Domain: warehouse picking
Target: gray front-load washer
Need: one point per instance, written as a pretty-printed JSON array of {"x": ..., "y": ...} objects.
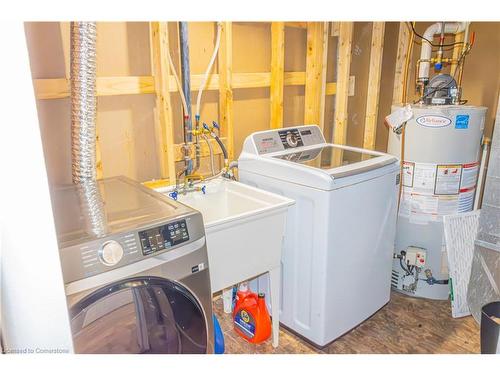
[{"x": 140, "y": 283}]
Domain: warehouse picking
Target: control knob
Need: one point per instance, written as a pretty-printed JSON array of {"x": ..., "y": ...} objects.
[
  {"x": 111, "y": 253},
  {"x": 291, "y": 139}
]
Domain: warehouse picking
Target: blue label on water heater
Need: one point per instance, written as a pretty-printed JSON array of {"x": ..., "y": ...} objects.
[{"x": 462, "y": 122}]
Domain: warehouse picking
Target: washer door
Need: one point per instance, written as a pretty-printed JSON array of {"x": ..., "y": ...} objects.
[{"x": 139, "y": 315}]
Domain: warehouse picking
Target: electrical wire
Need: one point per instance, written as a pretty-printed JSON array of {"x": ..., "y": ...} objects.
[
  {"x": 408, "y": 273},
  {"x": 430, "y": 42}
]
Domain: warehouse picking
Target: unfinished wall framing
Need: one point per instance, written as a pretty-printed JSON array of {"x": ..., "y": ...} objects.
[{"x": 301, "y": 72}]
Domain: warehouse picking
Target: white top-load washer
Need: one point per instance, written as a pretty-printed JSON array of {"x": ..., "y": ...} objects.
[{"x": 339, "y": 237}]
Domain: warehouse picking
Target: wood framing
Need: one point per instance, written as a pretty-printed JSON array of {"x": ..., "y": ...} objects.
[
  {"x": 403, "y": 40},
  {"x": 162, "y": 83},
  {"x": 299, "y": 25},
  {"x": 277, "y": 73},
  {"x": 343, "y": 70},
  {"x": 225, "y": 85},
  {"x": 457, "y": 50},
  {"x": 164, "y": 118},
  {"x": 374, "y": 75},
  {"x": 58, "y": 88},
  {"x": 316, "y": 62}
]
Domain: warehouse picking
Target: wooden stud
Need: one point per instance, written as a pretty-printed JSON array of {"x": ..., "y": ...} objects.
[
  {"x": 343, "y": 69},
  {"x": 457, "y": 51},
  {"x": 161, "y": 73},
  {"x": 64, "y": 28},
  {"x": 277, "y": 73},
  {"x": 317, "y": 47},
  {"x": 374, "y": 75},
  {"x": 225, "y": 85},
  {"x": 334, "y": 28},
  {"x": 403, "y": 40}
]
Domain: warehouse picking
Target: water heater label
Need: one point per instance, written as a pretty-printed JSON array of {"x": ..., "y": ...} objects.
[
  {"x": 433, "y": 121},
  {"x": 433, "y": 190},
  {"x": 448, "y": 179},
  {"x": 462, "y": 122}
]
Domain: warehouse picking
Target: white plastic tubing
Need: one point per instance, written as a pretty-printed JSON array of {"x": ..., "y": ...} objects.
[
  {"x": 425, "y": 54},
  {"x": 205, "y": 78},
  {"x": 209, "y": 68}
]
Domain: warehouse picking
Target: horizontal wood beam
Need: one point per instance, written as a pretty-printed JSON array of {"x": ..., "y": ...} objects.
[
  {"x": 105, "y": 86},
  {"x": 58, "y": 88}
]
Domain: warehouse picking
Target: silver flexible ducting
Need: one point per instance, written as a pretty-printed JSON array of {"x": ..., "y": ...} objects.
[{"x": 83, "y": 123}]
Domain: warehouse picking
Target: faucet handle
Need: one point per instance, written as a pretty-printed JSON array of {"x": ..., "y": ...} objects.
[{"x": 173, "y": 195}]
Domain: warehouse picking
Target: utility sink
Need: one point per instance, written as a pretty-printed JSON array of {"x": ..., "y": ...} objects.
[{"x": 244, "y": 229}]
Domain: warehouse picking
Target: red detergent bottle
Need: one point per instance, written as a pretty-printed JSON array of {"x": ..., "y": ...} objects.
[{"x": 250, "y": 316}]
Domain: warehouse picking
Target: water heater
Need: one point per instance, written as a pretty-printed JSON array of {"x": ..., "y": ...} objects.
[{"x": 440, "y": 168}]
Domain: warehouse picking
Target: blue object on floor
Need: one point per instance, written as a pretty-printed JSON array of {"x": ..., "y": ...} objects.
[{"x": 218, "y": 337}]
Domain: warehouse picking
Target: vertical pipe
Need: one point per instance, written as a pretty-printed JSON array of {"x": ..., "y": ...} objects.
[
  {"x": 186, "y": 87},
  {"x": 480, "y": 179}
]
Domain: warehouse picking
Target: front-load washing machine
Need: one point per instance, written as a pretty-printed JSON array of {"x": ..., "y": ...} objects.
[
  {"x": 140, "y": 286},
  {"x": 339, "y": 238}
]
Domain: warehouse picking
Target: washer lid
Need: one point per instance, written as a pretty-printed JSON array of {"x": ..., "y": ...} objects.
[
  {"x": 325, "y": 166},
  {"x": 331, "y": 158}
]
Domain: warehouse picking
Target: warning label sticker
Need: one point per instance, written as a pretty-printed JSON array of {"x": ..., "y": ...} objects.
[
  {"x": 448, "y": 179},
  {"x": 408, "y": 172},
  {"x": 469, "y": 176},
  {"x": 431, "y": 191},
  {"x": 424, "y": 177}
]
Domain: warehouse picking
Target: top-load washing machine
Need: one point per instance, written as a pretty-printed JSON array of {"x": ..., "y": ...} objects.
[
  {"x": 140, "y": 286},
  {"x": 339, "y": 238}
]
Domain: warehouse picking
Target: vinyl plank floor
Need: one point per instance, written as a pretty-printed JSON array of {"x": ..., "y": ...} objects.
[{"x": 404, "y": 325}]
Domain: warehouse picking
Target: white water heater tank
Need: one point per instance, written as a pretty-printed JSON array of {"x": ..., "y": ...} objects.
[{"x": 439, "y": 177}]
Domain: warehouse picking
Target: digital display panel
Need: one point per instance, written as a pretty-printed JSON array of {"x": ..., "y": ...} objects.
[{"x": 163, "y": 237}]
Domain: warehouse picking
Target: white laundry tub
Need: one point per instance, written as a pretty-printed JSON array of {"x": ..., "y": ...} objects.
[{"x": 244, "y": 229}]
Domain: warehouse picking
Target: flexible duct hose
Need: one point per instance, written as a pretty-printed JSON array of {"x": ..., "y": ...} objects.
[
  {"x": 83, "y": 101},
  {"x": 83, "y": 124}
]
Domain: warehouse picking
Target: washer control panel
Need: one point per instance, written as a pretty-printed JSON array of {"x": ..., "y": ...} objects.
[
  {"x": 116, "y": 250},
  {"x": 164, "y": 236},
  {"x": 288, "y": 138}
]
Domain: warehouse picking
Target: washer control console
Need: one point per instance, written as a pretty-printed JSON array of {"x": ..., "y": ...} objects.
[
  {"x": 283, "y": 139},
  {"x": 164, "y": 236}
]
